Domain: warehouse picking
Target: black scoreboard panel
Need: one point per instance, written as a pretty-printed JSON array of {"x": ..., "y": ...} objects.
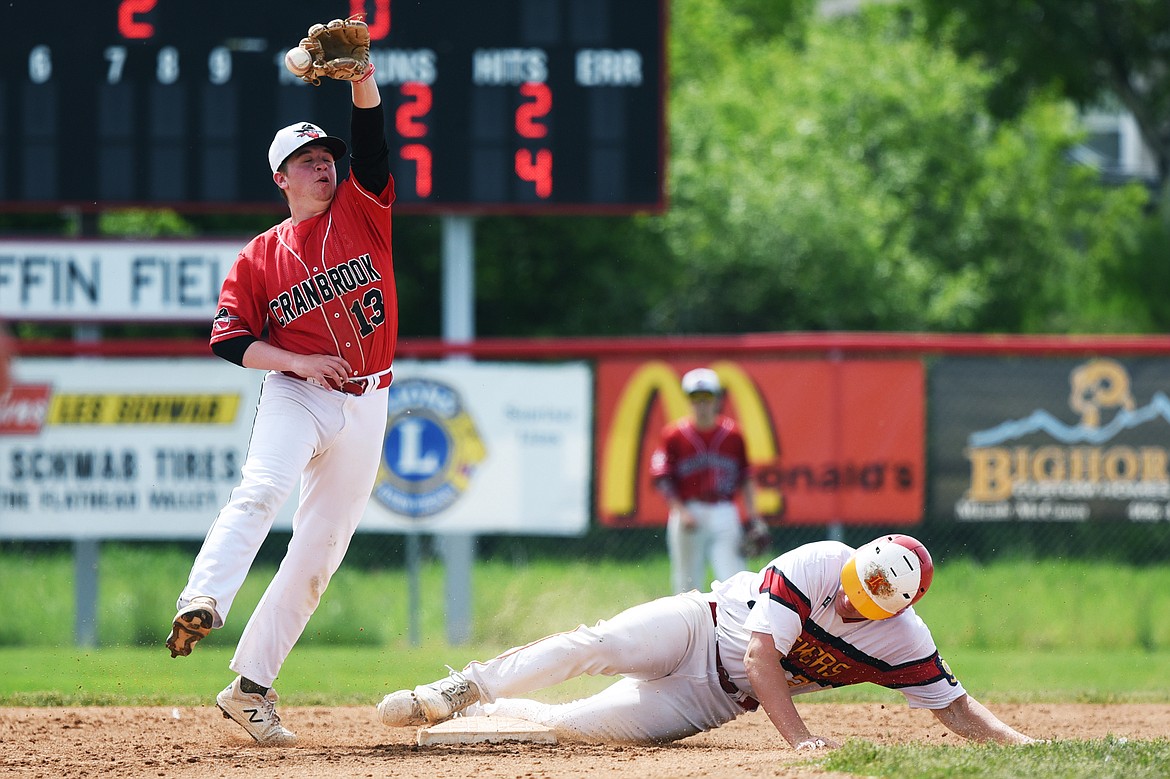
[{"x": 493, "y": 106}]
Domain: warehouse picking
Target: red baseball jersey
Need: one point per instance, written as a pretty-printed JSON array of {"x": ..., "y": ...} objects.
[
  {"x": 322, "y": 286},
  {"x": 706, "y": 465}
]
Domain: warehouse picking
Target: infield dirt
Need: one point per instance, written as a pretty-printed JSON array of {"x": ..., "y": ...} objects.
[{"x": 336, "y": 743}]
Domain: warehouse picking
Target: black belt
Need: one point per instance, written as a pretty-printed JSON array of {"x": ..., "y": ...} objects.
[{"x": 745, "y": 701}]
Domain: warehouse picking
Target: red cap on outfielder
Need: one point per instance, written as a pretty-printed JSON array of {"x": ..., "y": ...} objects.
[{"x": 887, "y": 575}]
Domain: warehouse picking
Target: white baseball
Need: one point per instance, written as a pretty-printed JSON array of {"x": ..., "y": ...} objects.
[{"x": 298, "y": 61}]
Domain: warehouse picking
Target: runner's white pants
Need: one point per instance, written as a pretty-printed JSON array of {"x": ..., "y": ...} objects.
[
  {"x": 331, "y": 443},
  {"x": 717, "y": 538},
  {"x": 665, "y": 652}
]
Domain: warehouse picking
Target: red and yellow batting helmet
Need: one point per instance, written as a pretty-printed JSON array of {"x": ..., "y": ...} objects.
[{"x": 887, "y": 575}]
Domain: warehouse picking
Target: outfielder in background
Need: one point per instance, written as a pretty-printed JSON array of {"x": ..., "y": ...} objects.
[
  {"x": 322, "y": 284},
  {"x": 822, "y": 615},
  {"x": 699, "y": 466}
]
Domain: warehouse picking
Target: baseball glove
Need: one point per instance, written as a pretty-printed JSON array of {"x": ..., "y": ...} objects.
[
  {"x": 757, "y": 539},
  {"x": 340, "y": 50}
]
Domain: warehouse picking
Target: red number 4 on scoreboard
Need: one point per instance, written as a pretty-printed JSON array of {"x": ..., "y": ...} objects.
[{"x": 537, "y": 168}]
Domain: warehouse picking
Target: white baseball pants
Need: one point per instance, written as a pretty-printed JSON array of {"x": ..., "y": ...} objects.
[
  {"x": 331, "y": 443},
  {"x": 665, "y": 652},
  {"x": 717, "y": 538}
]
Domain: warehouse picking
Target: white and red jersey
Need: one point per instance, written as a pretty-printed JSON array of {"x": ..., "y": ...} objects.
[
  {"x": 322, "y": 286},
  {"x": 705, "y": 465},
  {"x": 792, "y": 600}
]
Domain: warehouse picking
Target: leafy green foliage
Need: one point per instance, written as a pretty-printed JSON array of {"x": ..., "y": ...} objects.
[
  {"x": 1084, "y": 49},
  {"x": 859, "y": 183},
  {"x": 1139, "y": 269},
  {"x": 144, "y": 223},
  {"x": 557, "y": 276}
]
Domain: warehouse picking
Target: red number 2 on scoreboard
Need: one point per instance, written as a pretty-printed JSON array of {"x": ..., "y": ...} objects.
[
  {"x": 528, "y": 113},
  {"x": 128, "y": 26}
]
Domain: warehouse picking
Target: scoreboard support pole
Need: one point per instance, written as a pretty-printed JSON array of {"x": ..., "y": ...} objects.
[
  {"x": 458, "y": 248},
  {"x": 86, "y": 557},
  {"x": 458, "y": 549},
  {"x": 86, "y": 551}
]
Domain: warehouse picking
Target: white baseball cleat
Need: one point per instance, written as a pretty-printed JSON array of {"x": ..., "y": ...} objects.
[
  {"x": 255, "y": 712},
  {"x": 429, "y": 704},
  {"x": 191, "y": 624},
  {"x": 400, "y": 709}
]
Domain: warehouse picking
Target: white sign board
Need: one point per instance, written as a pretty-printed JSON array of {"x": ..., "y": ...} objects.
[
  {"x": 486, "y": 447},
  {"x": 141, "y": 281},
  {"x": 151, "y": 448},
  {"x": 95, "y": 448}
]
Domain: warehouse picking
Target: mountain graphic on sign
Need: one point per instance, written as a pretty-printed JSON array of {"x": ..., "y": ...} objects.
[{"x": 1041, "y": 421}]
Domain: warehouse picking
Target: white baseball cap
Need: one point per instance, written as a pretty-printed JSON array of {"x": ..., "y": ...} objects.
[
  {"x": 887, "y": 575},
  {"x": 701, "y": 380},
  {"x": 301, "y": 134}
]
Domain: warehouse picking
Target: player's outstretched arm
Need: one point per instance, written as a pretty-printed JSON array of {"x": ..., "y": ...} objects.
[
  {"x": 971, "y": 719},
  {"x": 365, "y": 93},
  {"x": 771, "y": 688}
]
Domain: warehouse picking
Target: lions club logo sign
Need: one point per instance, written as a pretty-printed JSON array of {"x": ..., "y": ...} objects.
[{"x": 431, "y": 449}]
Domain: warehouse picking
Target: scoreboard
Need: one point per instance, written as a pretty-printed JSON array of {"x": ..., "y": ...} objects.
[{"x": 496, "y": 106}]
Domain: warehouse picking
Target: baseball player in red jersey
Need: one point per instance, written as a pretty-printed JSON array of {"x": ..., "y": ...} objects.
[
  {"x": 311, "y": 301},
  {"x": 699, "y": 466},
  {"x": 820, "y": 616}
]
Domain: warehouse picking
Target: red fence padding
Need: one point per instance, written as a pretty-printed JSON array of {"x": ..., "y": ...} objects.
[{"x": 637, "y": 346}]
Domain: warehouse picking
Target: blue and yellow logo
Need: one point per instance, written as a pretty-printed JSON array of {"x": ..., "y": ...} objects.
[{"x": 431, "y": 449}]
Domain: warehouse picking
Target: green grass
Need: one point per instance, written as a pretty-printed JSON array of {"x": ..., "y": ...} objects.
[
  {"x": 512, "y": 603},
  {"x": 1049, "y": 605},
  {"x": 1042, "y": 607},
  {"x": 1014, "y": 631},
  {"x": 312, "y": 676},
  {"x": 1089, "y": 759},
  {"x": 317, "y": 674}
]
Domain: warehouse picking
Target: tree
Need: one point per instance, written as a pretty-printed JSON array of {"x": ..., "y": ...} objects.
[
  {"x": 857, "y": 181},
  {"x": 1082, "y": 49}
]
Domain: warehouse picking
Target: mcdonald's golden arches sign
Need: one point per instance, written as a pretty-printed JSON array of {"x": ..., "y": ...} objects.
[{"x": 828, "y": 440}]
